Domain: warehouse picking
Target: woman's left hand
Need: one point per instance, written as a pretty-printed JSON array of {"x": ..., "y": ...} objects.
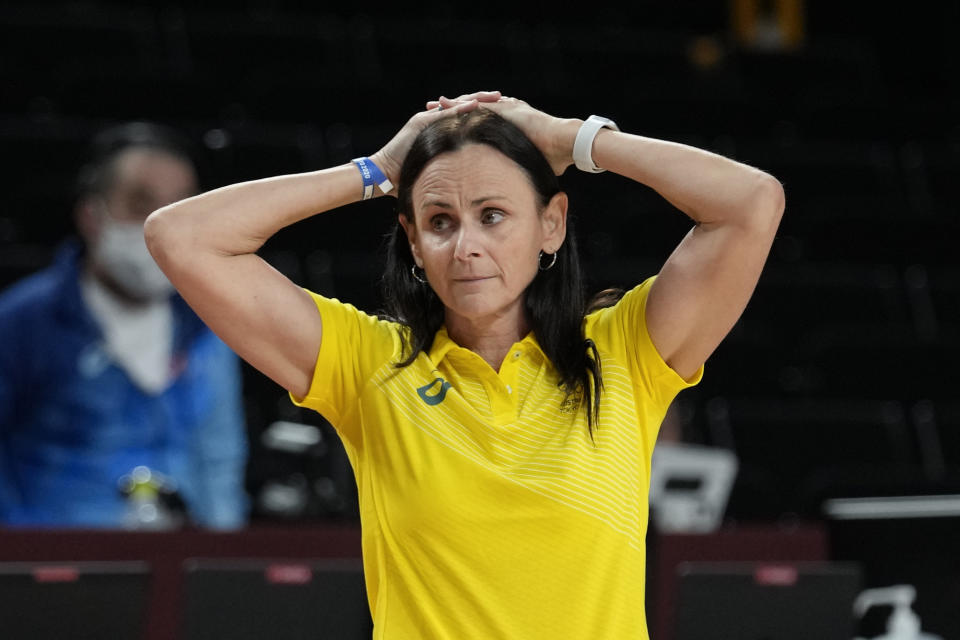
[{"x": 553, "y": 136}]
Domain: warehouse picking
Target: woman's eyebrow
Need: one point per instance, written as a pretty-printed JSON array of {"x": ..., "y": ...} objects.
[
  {"x": 479, "y": 201},
  {"x": 473, "y": 203}
]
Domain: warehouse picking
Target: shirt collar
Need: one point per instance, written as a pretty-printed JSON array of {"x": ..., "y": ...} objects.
[{"x": 443, "y": 344}]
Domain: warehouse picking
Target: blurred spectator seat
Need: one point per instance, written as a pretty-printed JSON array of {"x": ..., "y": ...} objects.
[
  {"x": 943, "y": 414},
  {"x": 795, "y": 543},
  {"x": 867, "y": 236},
  {"x": 774, "y": 601},
  {"x": 793, "y": 452},
  {"x": 804, "y": 304},
  {"x": 944, "y": 291},
  {"x": 283, "y": 600},
  {"x": 81, "y": 601}
]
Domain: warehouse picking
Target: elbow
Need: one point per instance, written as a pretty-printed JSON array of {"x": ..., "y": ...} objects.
[
  {"x": 769, "y": 202},
  {"x": 154, "y": 233},
  {"x": 775, "y": 197},
  {"x": 161, "y": 231}
]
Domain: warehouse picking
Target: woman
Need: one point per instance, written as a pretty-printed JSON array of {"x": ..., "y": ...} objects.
[{"x": 502, "y": 459}]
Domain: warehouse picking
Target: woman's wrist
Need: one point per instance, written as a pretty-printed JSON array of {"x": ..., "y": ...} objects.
[
  {"x": 564, "y": 134},
  {"x": 388, "y": 167}
]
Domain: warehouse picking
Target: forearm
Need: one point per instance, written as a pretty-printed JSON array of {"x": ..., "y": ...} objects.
[
  {"x": 239, "y": 218},
  {"x": 707, "y": 187}
]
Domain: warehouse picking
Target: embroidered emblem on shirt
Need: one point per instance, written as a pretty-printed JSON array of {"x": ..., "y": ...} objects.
[{"x": 435, "y": 398}]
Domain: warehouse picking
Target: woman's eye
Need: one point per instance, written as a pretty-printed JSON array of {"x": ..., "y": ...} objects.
[
  {"x": 492, "y": 216},
  {"x": 439, "y": 223}
]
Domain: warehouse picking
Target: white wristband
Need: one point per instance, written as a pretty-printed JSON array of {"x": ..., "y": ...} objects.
[{"x": 583, "y": 145}]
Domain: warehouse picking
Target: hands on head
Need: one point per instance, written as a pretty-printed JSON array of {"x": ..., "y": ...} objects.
[
  {"x": 546, "y": 132},
  {"x": 465, "y": 99}
]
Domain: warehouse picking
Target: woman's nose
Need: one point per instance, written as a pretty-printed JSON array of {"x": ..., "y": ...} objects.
[{"x": 468, "y": 243}]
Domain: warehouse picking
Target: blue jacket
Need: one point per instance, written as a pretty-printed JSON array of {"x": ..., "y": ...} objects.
[{"x": 72, "y": 422}]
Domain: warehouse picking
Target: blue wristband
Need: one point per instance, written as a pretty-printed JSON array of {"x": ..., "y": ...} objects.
[{"x": 372, "y": 175}]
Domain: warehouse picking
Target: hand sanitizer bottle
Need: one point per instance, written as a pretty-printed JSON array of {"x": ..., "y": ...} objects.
[{"x": 903, "y": 623}]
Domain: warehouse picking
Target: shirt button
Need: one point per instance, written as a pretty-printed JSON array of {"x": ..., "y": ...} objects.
[{"x": 509, "y": 389}]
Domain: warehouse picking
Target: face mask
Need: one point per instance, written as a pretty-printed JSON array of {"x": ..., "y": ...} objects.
[{"x": 122, "y": 252}]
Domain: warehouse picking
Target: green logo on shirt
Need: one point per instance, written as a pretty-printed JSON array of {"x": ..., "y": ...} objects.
[{"x": 435, "y": 398}]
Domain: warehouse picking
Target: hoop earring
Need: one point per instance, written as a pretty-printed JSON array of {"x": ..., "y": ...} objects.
[
  {"x": 553, "y": 260},
  {"x": 413, "y": 271}
]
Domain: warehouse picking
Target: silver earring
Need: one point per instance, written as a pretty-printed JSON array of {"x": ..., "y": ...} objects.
[
  {"x": 553, "y": 260},
  {"x": 413, "y": 270}
]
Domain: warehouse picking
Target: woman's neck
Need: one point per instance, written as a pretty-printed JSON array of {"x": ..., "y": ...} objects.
[{"x": 491, "y": 339}]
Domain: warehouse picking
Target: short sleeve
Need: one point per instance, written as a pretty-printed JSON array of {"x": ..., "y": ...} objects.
[
  {"x": 621, "y": 330},
  {"x": 353, "y": 346}
]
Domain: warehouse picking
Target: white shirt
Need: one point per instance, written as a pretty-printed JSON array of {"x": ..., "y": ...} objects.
[{"x": 139, "y": 338}]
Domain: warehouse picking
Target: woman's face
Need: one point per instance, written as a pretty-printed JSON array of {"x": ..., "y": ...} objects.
[{"x": 477, "y": 231}]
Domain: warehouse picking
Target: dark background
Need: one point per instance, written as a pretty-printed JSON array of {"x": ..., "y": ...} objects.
[{"x": 839, "y": 378}]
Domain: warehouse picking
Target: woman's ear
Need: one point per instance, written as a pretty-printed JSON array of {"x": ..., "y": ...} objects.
[
  {"x": 411, "y": 231},
  {"x": 554, "y": 223}
]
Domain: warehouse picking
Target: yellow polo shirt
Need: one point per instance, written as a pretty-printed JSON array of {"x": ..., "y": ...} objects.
[{"x": 486, "y": 511}]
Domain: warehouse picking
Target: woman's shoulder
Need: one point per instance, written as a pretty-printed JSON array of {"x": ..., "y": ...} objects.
[
  {"x": 617, "y": 302},
  {"x": 619, "y": 329},
  {"x": 346, "y": 319},
  {"x": 340, "y": 310}
]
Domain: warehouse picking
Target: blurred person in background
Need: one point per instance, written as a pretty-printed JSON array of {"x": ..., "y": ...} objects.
[{"x": 103, "y": 369}]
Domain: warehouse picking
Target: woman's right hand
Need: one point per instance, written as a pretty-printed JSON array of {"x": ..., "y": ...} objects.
[{"x": 390, "y": 158}]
